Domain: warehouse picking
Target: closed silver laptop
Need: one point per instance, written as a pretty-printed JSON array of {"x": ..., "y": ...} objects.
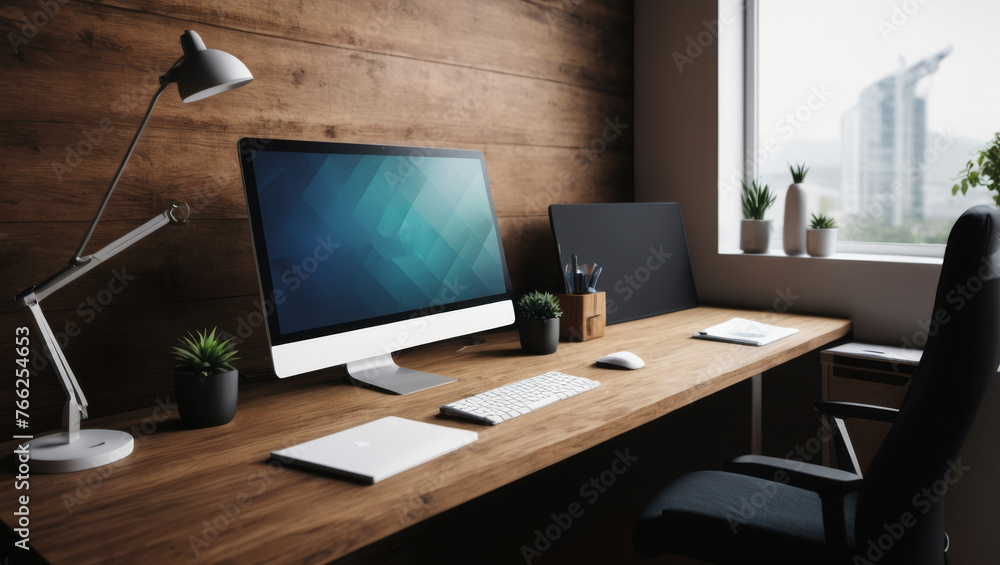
[{"x": 374, "y": 451}]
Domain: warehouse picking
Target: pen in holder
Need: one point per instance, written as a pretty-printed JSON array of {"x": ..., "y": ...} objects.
[
  {"x": 581, "y": 279},
  {"x": 584, "y": 316}
]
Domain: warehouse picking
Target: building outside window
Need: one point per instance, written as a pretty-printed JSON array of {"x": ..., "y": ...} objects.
[{"x": 885, "y": 101}]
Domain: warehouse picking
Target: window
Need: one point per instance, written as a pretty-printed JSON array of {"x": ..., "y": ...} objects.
[{"x": 884, "y": 100}]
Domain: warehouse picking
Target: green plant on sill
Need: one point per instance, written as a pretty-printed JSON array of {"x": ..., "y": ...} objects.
[
  {"x": 798, "y": 172},
  {"x": 983, "y": 170},
  {"x": 822, "y": 222},
  {"x": 539, "y": 305},
  {"x": 204, "y": 354},
  {"x": 756, "y": 200}
]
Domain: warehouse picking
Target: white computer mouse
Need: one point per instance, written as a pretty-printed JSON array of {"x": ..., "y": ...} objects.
[{"x": 625, "y": 359}]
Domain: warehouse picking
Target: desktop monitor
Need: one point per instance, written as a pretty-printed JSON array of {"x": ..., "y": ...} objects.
[{"x": 363, "y": 250}]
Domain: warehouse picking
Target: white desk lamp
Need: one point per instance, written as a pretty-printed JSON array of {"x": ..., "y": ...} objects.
[{"x": 199, "y": 73}]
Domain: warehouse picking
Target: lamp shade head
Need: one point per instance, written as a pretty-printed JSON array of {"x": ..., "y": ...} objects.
[{"x": 206, "y": 72}]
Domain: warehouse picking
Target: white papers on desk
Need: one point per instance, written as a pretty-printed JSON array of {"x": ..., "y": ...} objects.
[{"x": 747, "y": 332}]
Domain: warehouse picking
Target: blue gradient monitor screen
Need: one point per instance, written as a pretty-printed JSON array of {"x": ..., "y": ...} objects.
[{"x": 355, "y": 235}]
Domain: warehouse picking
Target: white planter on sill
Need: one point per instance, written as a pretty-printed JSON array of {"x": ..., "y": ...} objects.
[
  {"x": 821, "y": 243},
  {"x": 755, "y": 235},
  {"x": 796, "y": 220}
]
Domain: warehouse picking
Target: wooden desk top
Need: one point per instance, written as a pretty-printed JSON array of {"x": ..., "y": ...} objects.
[{"x": 212, "y": 495}]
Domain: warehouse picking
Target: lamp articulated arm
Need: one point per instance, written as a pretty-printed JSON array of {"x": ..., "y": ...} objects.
[
  {"x": 177, "y": 213},
  {"x": 76, "y": 402},
  {"x": 165, "y": 81}
]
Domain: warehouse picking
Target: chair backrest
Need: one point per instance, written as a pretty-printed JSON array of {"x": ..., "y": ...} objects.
[{"x": 918, "y": 461}]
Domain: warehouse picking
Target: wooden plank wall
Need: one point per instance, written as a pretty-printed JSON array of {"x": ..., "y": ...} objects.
[{"x": 542, "y": 87}]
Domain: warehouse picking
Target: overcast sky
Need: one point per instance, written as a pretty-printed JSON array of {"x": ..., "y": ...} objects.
[{"x": 846, "y": 45}]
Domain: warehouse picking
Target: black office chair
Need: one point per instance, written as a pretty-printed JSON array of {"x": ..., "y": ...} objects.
[{"x": 769, "y": 510}]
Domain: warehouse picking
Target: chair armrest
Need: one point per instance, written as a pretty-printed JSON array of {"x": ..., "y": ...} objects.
[
  {"x": 844, "y": 410},
  {"x": 836, "y": 413},
  {"x": 822, "y": 480}
]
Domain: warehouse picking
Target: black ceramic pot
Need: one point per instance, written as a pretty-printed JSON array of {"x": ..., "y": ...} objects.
[
  {"x": 539, "y": 337},
  {"x": 209, "y": 401}
]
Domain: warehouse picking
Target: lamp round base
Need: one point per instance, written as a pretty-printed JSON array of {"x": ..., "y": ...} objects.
[{"x": 94, "y": 448}]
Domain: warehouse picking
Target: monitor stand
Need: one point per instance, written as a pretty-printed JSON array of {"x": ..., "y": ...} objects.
[{"x": 382, "y": 373}]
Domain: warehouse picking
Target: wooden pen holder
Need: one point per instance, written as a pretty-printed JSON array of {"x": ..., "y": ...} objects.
[{"x": 584, "y": 316}]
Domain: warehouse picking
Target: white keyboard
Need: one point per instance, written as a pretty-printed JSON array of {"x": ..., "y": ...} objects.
[{"x": 509, "y": 401}]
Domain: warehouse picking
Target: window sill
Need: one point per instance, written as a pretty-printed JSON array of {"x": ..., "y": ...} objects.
[{"x": 843, "y": 256}]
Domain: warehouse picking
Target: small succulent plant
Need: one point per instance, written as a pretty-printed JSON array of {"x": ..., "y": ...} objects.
[
  {"x": 822, "y": 222},
  {"x": 798, "y": 172},
  {"x": 757, "y": 198},
  {"x": 539, "y": 305},
  {"x": 204, "y": 354}
]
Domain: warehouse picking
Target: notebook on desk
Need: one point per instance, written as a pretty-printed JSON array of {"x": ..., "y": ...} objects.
[
  {"x": 746, "y": 332},
  {"x": 377, "y": 450}
]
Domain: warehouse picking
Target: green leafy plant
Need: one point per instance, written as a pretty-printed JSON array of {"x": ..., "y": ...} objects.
[
  {"x": 539, "y": 305},
  {"x": 822, "y": 222},
  {"x": 983, "y": 170},
  {"x": 756, "y": 199},
  {"x": 798, "y": 172},
  {"x": 204, "y": 354}
]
